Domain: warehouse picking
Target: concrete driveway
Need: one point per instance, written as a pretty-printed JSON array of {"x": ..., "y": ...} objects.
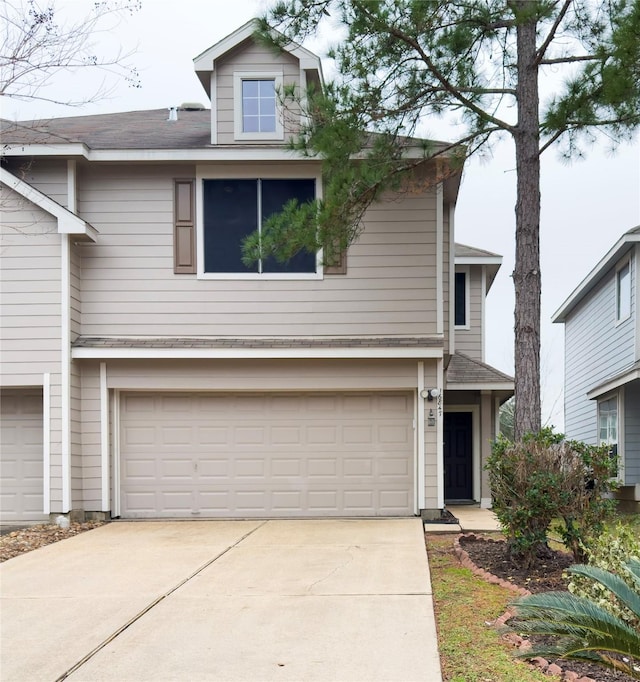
[{"x": 223, "y": 600}]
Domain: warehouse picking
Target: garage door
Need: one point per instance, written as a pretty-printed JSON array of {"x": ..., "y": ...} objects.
[
  {"x": 21, "y": 455},
  {"x": 274, "y": 455}
]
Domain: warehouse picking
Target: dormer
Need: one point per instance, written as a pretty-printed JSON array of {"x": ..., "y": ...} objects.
[{"x": 245, "y": 82}]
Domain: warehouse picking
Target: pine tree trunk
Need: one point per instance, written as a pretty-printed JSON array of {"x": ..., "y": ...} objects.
[{"x": 526, "y": 276}]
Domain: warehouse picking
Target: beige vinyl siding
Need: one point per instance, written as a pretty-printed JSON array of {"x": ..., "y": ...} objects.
[
  {"x": 75, "y": 316},
  {"x": 30, "y": 311},
  {"x": 261, "y": 375},
  {"x": 75, "y": 379},
  {"x": 446, "y": 265},
  {"x": 238, "y": 375},
  {"x": 29, "y": 292},
  {"x": 469, "y": 341},
  {"x": 250, "y": 57},
  {"x": 49, "y": 176},
  {"x": 430, "y": 441},
  {"x": 129, "y": 288},
  {"x": 91, "y": 437}
]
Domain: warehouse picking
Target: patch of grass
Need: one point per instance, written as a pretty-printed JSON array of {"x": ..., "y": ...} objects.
[
  {"x": 471, "y": 650},
  {"x": 631, "y": 520}
]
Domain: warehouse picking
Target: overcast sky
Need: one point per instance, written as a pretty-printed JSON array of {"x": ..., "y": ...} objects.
[{"x": 586, "y": 205}]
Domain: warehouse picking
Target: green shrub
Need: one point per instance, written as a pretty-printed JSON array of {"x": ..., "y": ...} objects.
[
  {"x": 584, "y": 630},
  {"x": 543, "y": 478},
  {"x": 610, "y": 551}
]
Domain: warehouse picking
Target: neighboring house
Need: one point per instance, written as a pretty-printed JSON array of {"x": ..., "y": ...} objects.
[
  {"x": 602, "y": 360},
  {"x": 147, "y": 372}
]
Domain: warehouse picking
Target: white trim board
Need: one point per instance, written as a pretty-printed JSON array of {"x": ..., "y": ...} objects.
[{"x": 258, "y": 353}]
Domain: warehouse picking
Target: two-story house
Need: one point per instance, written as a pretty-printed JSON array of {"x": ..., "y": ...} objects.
[
  {"x": 602, "y": 360},
  {"x": 148, "y": 372}
]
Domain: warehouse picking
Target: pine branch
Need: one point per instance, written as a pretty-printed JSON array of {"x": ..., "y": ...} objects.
[
  {"x": 447, "y": 86},
  {"x": 542, "y": 50}
]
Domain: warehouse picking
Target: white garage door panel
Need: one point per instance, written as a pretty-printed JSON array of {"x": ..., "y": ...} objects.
[
  {"x": 208, "y": 455},
  {"x": 21, "y": 474}
]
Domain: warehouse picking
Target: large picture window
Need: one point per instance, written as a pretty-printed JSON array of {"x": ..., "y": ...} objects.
[{"x": 233, "y": 209}]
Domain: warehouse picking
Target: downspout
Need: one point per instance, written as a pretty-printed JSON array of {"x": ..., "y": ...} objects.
[
  {"x": 46, "y": 443},
  {"x": 483, "y": 299},
  {"x": 421, "y": 435},
  {"x": 440, "y": 433},
  {"x": 65, "y": 342},
  {"x": 104, "y": 436},
  {"x": 452, "y": 280},
  {"x": 439, "y": 258}
]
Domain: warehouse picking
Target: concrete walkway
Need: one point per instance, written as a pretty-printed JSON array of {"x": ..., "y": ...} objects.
[
  {"x": 471, "y": 518},
  {"x": 215, "y": 600}
]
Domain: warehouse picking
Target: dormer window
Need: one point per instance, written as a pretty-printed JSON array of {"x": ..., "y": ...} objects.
[
  {"x": 256, "y": 110},
  {"x": 259, "y": 106}
]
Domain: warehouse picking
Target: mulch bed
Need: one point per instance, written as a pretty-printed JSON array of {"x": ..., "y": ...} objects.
[
  {"x": 24, "y": 540},
  {"x": 488, "y": 558}
]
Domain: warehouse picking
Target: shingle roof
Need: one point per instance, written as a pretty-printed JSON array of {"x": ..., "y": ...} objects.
[
  {"x": 127, "y": 130},
  {"x": 465, "y": 370},
  {"x": 248, "y": 342},
  {"x": 464, "y": 251}
]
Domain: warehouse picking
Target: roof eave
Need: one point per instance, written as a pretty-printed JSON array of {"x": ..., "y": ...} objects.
[
  {"x": 611, "y": 384},
  {"x": 480, "y": 386},
  {"x": 68, "y": 222},
  {"x": 613, "y": 255}
]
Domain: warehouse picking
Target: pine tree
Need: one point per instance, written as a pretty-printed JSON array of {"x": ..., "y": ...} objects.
[{"x": 403, "y": 61}]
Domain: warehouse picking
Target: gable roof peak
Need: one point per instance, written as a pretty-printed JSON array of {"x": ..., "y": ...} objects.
[
  {"x": 615, "y": 253},
  {"x": 205, "y": 63}
]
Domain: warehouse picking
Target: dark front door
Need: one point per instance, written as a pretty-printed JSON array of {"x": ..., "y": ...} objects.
[{"x": 458, "y": 456}]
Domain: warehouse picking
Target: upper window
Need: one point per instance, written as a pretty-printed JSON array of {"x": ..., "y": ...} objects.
[
  {"x": 233, "y": 209},
  {"x": 258, "y": 106},
  {"x": 256, "y": 111},
  {"x": 461, "y": 299},
  {"x": 623, "y": 292}
]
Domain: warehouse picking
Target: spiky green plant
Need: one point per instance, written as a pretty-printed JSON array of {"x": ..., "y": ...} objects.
[{"x": 586, "y": 631}]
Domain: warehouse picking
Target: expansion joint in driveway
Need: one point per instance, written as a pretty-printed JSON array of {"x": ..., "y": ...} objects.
[{"x": 150, "y": 606}]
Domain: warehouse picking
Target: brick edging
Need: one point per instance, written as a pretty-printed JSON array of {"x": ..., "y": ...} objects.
[{"x": 511, "y": 637}]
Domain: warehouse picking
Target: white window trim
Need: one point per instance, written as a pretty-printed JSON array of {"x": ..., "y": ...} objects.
[
  {"x": 619, "y": 267},
  {"x": 250, "y": 173},
  {"x": 619, "y": 396},
  {"x": 240, "y": 76},
  {"x": 467, "y": 302}
]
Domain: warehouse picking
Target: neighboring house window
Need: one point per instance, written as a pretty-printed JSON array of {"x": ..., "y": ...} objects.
[
  {"x": 608, "y": 424},
  {"x": 461, "y": 298},
  {"x": 256, "y": 111},
  {"x": 233, "y": 209},
  {"x": 623, "y": 292}
]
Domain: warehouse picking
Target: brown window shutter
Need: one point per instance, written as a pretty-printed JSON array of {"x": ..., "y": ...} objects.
[{"x": 184, "y": 233}]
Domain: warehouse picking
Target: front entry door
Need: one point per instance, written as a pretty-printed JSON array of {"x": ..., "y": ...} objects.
[{"x": 458, "y": 456}]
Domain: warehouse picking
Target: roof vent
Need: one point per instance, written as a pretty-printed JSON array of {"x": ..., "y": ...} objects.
[
  {"x": 173, "y": 114},
  {"x": 192, "y": 106}
]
